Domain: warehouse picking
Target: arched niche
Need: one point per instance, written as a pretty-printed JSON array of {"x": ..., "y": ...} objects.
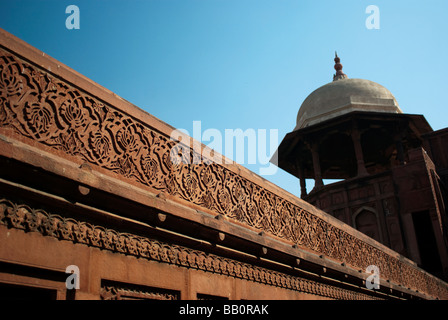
[{"x": 366, "y": 220}]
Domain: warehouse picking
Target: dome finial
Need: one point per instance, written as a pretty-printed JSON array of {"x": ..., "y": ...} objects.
[{"x": 338, "y": 67}]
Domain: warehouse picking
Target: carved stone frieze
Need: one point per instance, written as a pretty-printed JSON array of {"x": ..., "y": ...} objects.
[
  {"x": 111, "y": 290},
  {"x": 44, "y": 109},
  {"x": 18, "y": 216}
]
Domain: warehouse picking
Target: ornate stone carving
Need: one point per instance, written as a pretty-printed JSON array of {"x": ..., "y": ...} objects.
[
  {"x": 43, "y": 108},
  {"x": 111, "y": 290},
  {"x": 17, "y": 216}
]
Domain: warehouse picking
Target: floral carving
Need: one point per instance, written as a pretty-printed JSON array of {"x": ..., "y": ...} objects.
[
  {"x": 100, "y": 146},
  {"x": 207, "y": 177},
  {"x": 127, "y": 139},
  {"x": 45, "y": 109},
  {"x": 149, "y": 166},
  {"x": 190, "y": 184},
  {"x": 119, "y": 291},
  {"x": 72, "y": 112},
  {"x": 39, "y": 118},
  {"x": 224, "y": 199},
  {"x": 3, "y": 112},
  {"x": 10, "y": 80}
]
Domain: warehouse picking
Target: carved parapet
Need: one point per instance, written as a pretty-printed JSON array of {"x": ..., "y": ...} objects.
[{"x": 52, "y": 108}]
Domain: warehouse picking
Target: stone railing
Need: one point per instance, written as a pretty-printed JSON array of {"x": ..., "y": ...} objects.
[{"x": 47, "y": 104}]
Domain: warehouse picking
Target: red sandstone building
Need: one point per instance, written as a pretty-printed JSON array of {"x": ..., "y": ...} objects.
[
  {"x": 88, "y": 185},
  {"x": 393, "y": 167}
]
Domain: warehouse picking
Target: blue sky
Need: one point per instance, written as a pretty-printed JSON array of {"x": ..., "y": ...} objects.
[{"x": 243, "y": 63}]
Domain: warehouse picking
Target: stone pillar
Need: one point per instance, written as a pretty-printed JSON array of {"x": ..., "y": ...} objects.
[
  {"x": 318, "y": 182},
  {"x": 303, "y": 192},
  {"x": 356, "y": 137},
  {"x": 400, "y": 151},
  {"x": 399, "y": 145}
]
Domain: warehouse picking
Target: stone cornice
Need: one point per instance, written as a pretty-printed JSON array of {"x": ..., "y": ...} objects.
[{"x": 23, "y": 217}]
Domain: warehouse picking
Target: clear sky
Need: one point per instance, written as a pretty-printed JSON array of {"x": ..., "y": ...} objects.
[{"x": 245, "y": 64}]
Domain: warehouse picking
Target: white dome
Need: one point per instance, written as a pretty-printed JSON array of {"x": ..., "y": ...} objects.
[{"x": 343, "y": 96}]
